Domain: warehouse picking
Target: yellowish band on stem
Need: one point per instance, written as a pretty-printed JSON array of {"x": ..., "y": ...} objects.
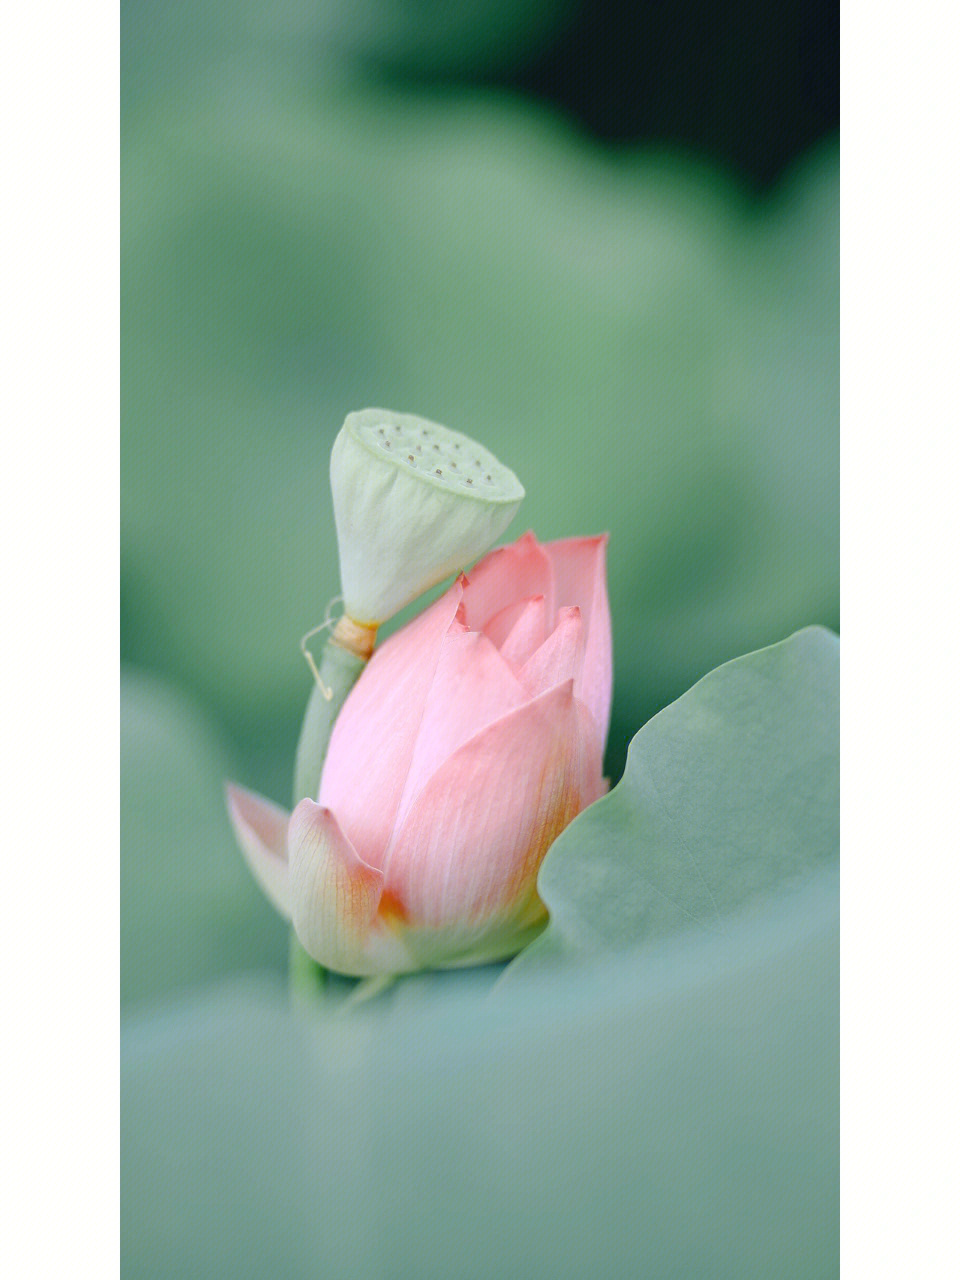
[{"x": 356, "y": 637}]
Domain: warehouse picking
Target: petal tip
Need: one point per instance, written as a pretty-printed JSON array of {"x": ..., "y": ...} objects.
[
  {"x": 234, "y": 794},
  {"x": 562, "y": 691},
  {"x": 260, "y": 828}
]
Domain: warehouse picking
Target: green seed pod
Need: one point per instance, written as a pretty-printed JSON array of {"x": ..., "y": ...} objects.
[{"x": 414, "y": 502}]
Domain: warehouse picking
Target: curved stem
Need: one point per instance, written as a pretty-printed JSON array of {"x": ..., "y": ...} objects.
[
  {"x": 307, "y": 978},
  {"x": 344, "y": 657}
]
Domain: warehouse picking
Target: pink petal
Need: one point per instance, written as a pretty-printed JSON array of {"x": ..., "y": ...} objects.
[
  {"x": 593, "y": 784},
  {"x": 372, "y": 744},
  {"x": 559, "y": 658},
  {"x": 334, "y": 895},
  {"x": 470, "y": 848},
  {"x": 261, "y": 831},
  {"x": 523, "y": 627},
  {"x": 505, "y": 576},
  {"x": 473, "y": 687},
  {"x": 579, "y": 566}
]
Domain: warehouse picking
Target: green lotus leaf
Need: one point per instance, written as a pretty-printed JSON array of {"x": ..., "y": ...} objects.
[
  {"x": 667, "y": 1112},
  {"x": 730, "y": 797}
]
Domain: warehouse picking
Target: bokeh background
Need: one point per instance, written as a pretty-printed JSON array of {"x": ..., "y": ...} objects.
[{"x": 601, "y": 238}]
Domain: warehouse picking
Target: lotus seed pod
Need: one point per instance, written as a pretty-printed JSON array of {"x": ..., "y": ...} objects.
[{"x": 414, "y": 502}]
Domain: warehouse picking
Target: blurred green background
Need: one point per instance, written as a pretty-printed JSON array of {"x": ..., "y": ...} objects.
[
  {"x": 601, "y": 238},
  {"x": 646, "y": 333},
  {"x": 435, "y": 208}
]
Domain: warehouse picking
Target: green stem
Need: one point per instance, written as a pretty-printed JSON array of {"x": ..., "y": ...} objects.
[
  {"x": 307, "y": 978},
  {"x": 340, "y": 669}
]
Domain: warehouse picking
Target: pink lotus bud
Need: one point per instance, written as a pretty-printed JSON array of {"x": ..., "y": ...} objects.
[{"x": 474, "y": 736}]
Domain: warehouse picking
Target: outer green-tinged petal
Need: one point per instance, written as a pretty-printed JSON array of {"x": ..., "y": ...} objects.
[
  {"x": 335, "y": 897},
  {"x": 261, "y": 830}
]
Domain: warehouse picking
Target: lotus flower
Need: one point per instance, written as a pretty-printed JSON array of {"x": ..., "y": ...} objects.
[{"x": 474, "y": 736}]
